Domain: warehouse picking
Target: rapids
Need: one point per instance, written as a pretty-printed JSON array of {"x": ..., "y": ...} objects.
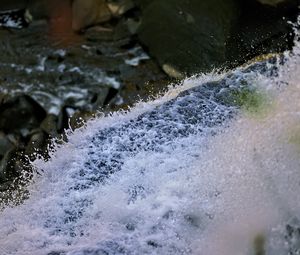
[{"x": 189, "y": 173}]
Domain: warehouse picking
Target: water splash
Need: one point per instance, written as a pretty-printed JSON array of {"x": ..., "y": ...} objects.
[{"x": 189, "y": 173}]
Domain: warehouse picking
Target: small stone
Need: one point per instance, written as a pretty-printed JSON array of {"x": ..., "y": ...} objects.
[
  {"x": 133, "y": 26},
  {"x": 119, "y": 7},
  {"x": 5, "y": 144},
  {"x": 100, "y": 99},
  {"x": 7, "y": 166},
  {"x": 36, "y": 144},
  {"x": 172, "y": 71},
  {"x": 50, "y": 125},
  {"x": 78, "y": 119}
]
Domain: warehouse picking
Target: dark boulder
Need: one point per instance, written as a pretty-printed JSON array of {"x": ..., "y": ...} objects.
[
  {"x": 20, "y": 115},
  {"x": 187, "y": 37},
  {"x": 262, "y": 29}
]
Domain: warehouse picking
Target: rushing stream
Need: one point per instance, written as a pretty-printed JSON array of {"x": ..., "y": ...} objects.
[{"x": 189, "y": 173}]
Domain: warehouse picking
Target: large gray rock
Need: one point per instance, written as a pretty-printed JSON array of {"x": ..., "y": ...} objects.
[{"x": 187, "y": 37}]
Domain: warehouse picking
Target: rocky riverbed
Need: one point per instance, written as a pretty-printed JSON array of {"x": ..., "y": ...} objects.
[{"x": 48, "y": 86}]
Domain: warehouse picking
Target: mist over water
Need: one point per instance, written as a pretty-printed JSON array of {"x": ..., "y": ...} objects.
[{"x": 189, "y": 173}]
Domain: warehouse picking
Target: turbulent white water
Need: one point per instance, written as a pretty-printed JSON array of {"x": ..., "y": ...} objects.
[{"x": 186, "y": 174}]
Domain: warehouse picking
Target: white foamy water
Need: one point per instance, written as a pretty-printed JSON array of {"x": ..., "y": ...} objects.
[{"x": 186, "y": 174}]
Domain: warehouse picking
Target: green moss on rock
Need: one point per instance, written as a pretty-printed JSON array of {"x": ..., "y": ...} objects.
[{"x": 251, "y": 100}]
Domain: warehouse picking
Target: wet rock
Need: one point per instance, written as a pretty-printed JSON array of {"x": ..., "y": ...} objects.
[
  {"x": 89, "y": 12},
  {"x": 187, "y": 37},
  {"x": 292, "y": 237},
  {"x": 262, "y": 30},
  {"x": 5, "y": 144},
  {"x": 20, "y": 114},
  {"x": 141, "y": 82},
  {"x": 271, "y": 2},
  {"x": 14, "y": 139},
  {"x": 52, "y": 124},
  {"x": 78, "y": 119},
  {"x": 133, "y": 25},
  {"x": 3, "y": 164},
  {"x": 79, "y": 76},
  {"x": 15, "y": 167},
  {"x": 99, "y": 34},
  {"x": 100, "y": 99},
  {"x": 15, "y": 19},
  {"x": 4, "y": 98},
  {"x": 8, "y": 169},
  {"x": 36, "y": 144},
  {"x": 173, "y": 72},
  {"x": 119, "y": 7}
]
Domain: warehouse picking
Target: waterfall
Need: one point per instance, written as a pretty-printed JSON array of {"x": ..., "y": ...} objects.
[{"x": 192, "y": 172}]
